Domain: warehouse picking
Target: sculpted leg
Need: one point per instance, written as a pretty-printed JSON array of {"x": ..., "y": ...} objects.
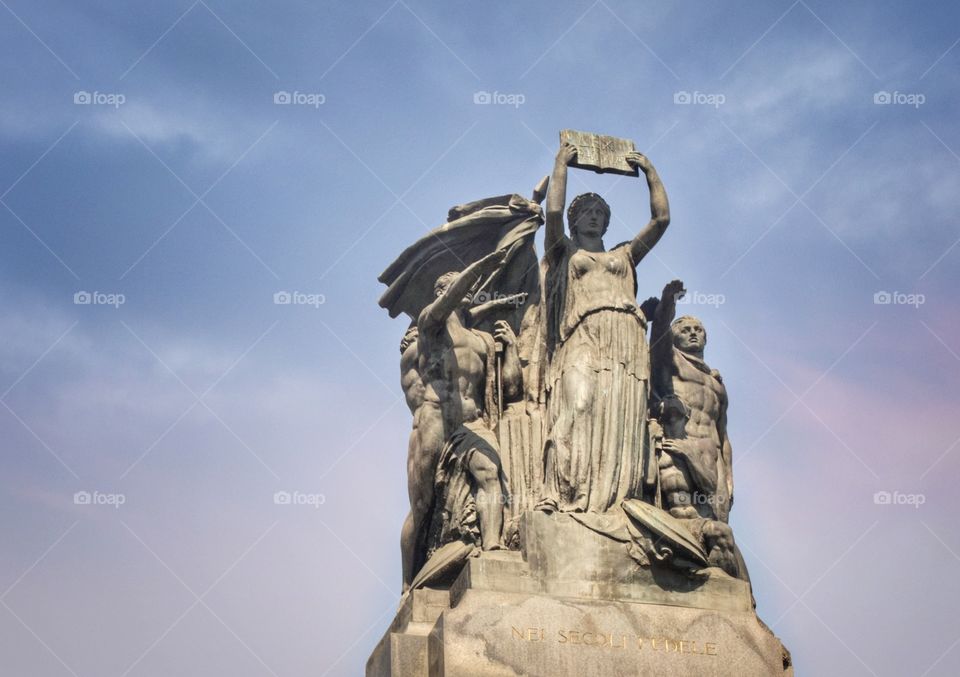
[
  {"x": 425, "y": 445},
  {"x": 562, "y": 468},
  {"x": 489, "y": 499},
  {"x": 408, "y": 548},
  {"x": 408, "y": 533}
]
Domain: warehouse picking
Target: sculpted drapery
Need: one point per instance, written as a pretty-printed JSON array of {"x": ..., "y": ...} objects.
[
  {"x": 598, "y": 379},
  {"x": 596, "y": 452},
  {"x": 530, "y": 384}
]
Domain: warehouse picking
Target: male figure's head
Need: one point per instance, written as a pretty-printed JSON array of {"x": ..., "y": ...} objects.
[
  {"x": 440, "y": 286},
  {"x": 689, "y": 336},
  {"x": 443, "y": 283}
]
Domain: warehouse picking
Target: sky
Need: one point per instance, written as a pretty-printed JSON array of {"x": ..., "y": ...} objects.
[{"x": 168, "y": 168}]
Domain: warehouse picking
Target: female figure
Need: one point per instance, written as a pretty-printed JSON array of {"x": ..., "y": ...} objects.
[{"x": 599, "y": 365}]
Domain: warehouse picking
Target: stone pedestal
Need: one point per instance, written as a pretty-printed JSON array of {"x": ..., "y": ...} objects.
[{"x": 572, "y": 603}]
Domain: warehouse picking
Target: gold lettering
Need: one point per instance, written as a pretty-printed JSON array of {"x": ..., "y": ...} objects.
[
  {"x": 563, "y": 637},
  {"x": 517, "y": 634},
  {"x": 710, "y": 649}
]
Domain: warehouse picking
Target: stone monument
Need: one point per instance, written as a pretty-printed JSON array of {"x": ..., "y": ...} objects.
[{"x": 569, "y": 469}]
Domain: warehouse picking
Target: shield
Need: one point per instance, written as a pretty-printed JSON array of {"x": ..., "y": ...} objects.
[
  {"x": 666, "y": 526},
  {"x": 443, "y": 562}
]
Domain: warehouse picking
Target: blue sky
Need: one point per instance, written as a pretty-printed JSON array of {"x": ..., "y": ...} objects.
[{"x": 797, "y": 195}]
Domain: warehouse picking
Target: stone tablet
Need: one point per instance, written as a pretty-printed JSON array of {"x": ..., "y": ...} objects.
[{"x": 603, "y": 154}]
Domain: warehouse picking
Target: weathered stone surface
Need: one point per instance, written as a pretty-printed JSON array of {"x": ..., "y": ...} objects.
[
  {"x": 562, "y": 612},
  {"x": 493, "y": 633},
  {"x": 403, "y": 648},
  {"x": 490, "y": 633},
  {"x": 565, "y": 559},
  {"x": 536, "y": 387},
  {"x": 569, "y": 560}
]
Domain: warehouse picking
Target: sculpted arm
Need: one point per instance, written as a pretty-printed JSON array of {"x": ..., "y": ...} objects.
[
  {"x": 555, "y": 240},
  {"x": 511, "y": 373},
  {"x": 661, "y": 338},
  {"x": 703, "y": 471},
  {"x": 435, "y": 315},
  {"x": 725, "y": 463},
  {"x": 659, "y": 209}
]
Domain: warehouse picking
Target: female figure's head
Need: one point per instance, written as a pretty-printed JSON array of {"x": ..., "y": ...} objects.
[{"x": 588, "y": 217}]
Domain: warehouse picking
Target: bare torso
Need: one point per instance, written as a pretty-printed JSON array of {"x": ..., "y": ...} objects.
[
  {"x": 696, "y": 430},
  {"x": 454, "y": 370},
  {"x": 410, "y": 381}
]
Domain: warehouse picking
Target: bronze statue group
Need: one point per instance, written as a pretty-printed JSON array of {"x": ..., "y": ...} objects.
[{"x": 540, "y": 383}]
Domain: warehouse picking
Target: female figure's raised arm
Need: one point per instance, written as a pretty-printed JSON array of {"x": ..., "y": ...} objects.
[
  {"x": 555, "y": 240},
  {"x": 659, "y": 209}
]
